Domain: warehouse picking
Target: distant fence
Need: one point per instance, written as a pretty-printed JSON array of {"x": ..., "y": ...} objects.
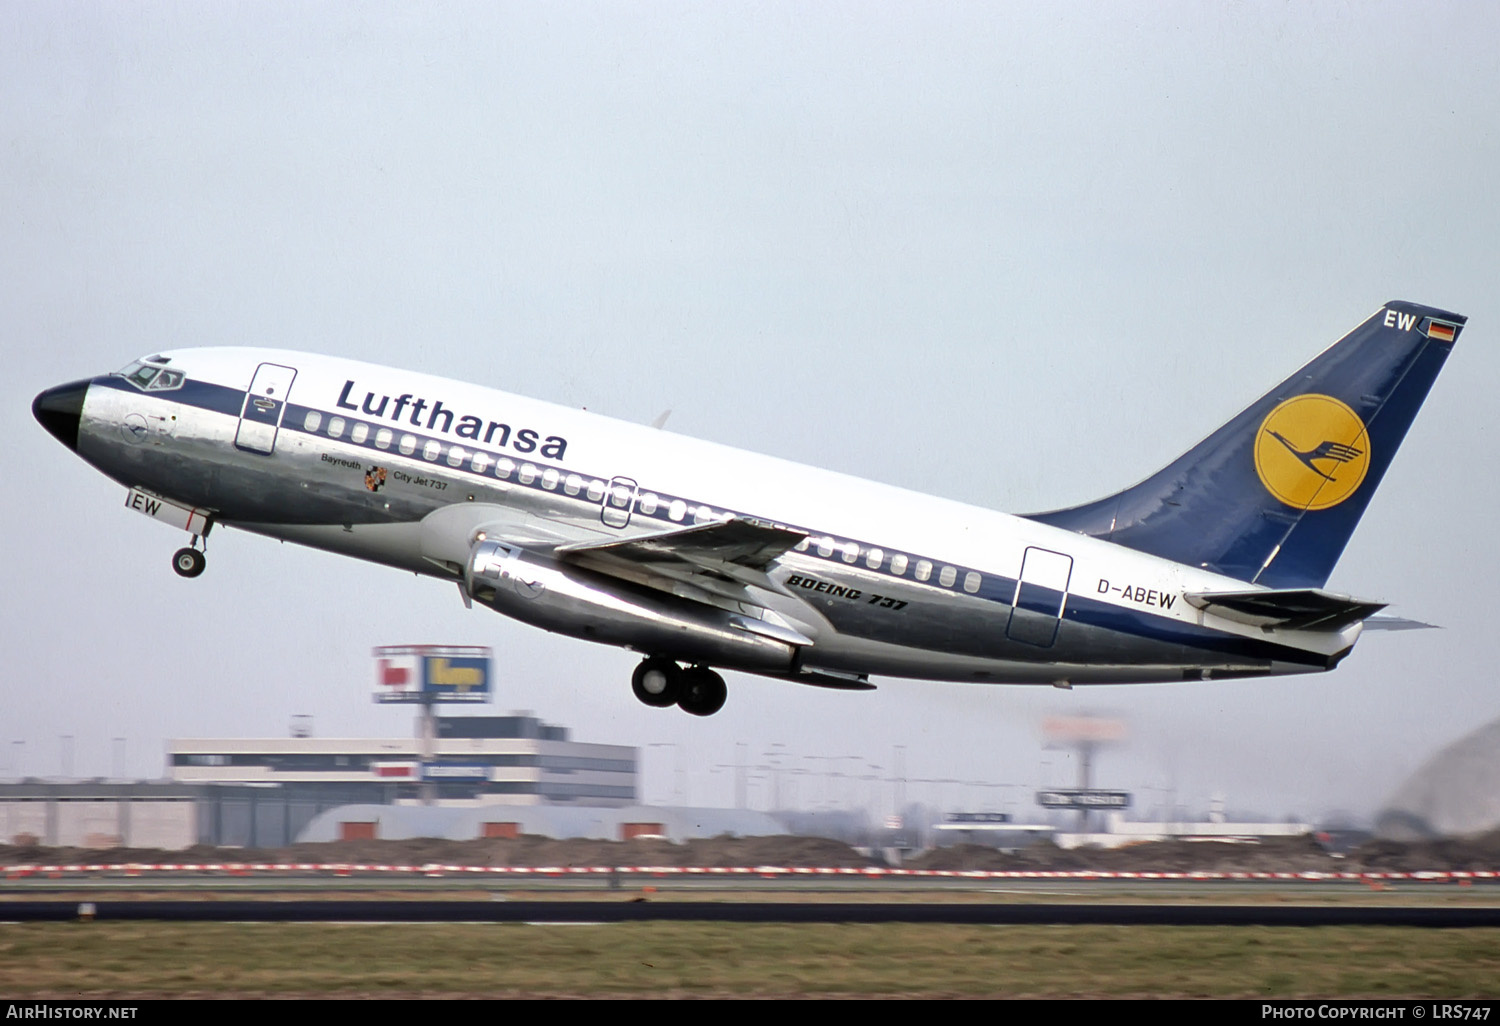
[{"x": 342, "y": 869}]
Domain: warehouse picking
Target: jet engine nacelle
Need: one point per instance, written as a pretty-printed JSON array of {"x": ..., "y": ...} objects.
[{"x": 582, "y": 604}]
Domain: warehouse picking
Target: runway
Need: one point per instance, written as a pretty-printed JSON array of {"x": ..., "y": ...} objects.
[{"x": 622, "y": 911}]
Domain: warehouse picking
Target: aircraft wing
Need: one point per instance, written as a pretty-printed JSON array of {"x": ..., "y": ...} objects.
[
  {"x": 715, "y": 563},
  {"x": 1303, "y": 609},
  {"x": 741, "y": 543}
]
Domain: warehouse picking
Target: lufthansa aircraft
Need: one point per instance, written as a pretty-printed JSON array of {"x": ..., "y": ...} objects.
[{"x": 700, "y": 556}]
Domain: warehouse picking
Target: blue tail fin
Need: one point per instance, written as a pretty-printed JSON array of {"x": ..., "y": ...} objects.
[{"x": 1273, "y": 496}]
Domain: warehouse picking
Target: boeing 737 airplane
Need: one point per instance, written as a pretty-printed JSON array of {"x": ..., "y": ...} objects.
[{"x": 700, "y": 556}]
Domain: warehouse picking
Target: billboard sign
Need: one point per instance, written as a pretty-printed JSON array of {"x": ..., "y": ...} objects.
[
  {"x": 978, "y": 817},
  {"x": 395, "y": 770},
  {"x": 1081, "y": 798},
  {"x": 437, "y": 771},
  {"x": 432, "y": 673}
]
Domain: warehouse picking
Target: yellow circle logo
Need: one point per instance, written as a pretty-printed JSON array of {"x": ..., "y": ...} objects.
[{"x": 1312, "y": 452}]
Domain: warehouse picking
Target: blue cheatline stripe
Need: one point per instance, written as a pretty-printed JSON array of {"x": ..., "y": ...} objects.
[
  {"x": 1137, "y": 623},
  {"x": 202, "y": 395},
  {"x": 1037, "y": 599},
  {"x": 994, "y": 588}
]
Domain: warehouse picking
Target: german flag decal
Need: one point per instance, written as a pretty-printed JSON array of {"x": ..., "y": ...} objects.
[{"x": 1442, "y": 331}]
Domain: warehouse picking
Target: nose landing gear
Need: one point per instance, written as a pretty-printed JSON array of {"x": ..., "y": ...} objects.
[
  {"x": 189, "y": 562},
  {"x": 660, "y": 682}
]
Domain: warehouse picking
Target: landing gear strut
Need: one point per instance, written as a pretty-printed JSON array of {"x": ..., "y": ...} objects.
[
  {"x": 660, "y": 682},
  {"x": 189, "y": 562}
]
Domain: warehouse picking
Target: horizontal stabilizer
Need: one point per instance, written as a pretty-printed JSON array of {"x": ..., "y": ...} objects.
[
  {"x": 1398, "y": 623},
  {"x": 1297, "y": 609}
]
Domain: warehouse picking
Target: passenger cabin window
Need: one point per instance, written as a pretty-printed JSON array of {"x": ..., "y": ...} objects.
[
  {"x": 898, "y": 564},
  {"x": 432, "y": 449},
  {"x": 481, "y": 462},
  {"x": 527, "y": 475},
  {"x": 873, "y": 558},
  {"x": 550, "y": 478},
  {"x": 924, "y": 570},
  {"x": 851, "y": 551},
  {"x": 649, "y": 502},
  {"x": 360, "y": 432},
  {"x": 312, "y": 421},
  {"x": 408, "y": 445},
  {"x": 504, "y": 467},
  {"x": 947, "y": 576},
  {"x": 335, "y": 426},
  {"x": 573, "y": 485},
  {"x": 596, "y": 490},
  {"x": 825, "y": 546},
  {"x": 457, "y": 455},
  {"x": 383, "y": 438},
  {"x": 971, "y": 582},
  {"x": 677, "y": 510}
]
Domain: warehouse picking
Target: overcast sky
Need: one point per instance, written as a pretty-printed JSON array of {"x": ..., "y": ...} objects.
[{"x": 1020, "y": 255}]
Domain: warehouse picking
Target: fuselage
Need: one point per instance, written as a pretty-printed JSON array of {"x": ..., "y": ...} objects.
[{"x": 364, "y": 460}]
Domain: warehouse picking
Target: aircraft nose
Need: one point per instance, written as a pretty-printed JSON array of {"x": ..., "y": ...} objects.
[{"x": 60, "y": 409}]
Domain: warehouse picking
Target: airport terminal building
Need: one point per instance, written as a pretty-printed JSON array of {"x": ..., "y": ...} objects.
[
  {"x": 481, "y": 760},
  {"x": 263, "y": 792}
]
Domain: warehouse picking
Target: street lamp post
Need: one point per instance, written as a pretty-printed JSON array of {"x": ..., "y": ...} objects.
[
  {"x": 775, "y": 769},
  {"x": 677, "y": 759}
]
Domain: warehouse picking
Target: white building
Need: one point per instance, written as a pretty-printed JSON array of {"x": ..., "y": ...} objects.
[{"x": 478, "y": 760}]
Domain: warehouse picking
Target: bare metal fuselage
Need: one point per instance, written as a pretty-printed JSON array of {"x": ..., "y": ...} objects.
[{"x": 886, "y": 582}]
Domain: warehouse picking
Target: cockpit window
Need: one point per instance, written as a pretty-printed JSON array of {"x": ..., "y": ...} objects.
[
  {"x": 155, "y": 378},
  {"x": 140, "y": 375}
]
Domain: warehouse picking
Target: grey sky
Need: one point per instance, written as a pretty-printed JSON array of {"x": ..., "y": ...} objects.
[{"x": 1019, "y": 255}]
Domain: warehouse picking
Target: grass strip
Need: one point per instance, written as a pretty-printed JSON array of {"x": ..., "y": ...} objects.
[{"x": 710, "y": 960}]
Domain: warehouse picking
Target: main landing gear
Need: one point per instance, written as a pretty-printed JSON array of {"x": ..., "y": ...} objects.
[
  {"x": 189, "y": 562},
  {"x": 660, "y": 682}
]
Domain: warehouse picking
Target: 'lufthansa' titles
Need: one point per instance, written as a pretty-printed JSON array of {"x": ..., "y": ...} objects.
[{"x": 437, "y": 417}]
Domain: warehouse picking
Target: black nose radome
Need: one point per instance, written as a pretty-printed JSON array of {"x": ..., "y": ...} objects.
[{"x": 60, "y": 409}]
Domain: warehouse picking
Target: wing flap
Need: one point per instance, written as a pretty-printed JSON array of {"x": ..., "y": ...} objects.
[
  {"x": 768, "y": 628},
  {"x": 1303, "y": 609},
  {"x": 719, "y": 564},
  {"x": 835, "y": 679}
]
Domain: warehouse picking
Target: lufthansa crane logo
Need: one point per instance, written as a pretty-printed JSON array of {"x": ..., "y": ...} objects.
[{"x": 1312, "y": 452}]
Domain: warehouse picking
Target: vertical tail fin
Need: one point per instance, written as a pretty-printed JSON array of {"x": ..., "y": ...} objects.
[{"x": 1273, "y": 496}]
